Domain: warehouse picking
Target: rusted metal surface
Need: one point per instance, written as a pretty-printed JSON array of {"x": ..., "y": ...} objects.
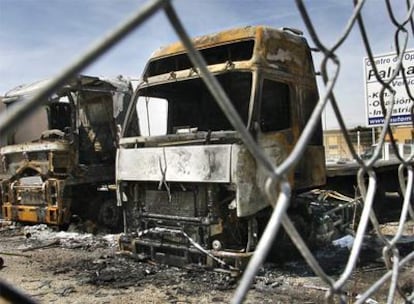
[
  {"x": 273, "y": 47},
  {"x": 208, "y": 41},
  {"x": 70, "y": 149}
]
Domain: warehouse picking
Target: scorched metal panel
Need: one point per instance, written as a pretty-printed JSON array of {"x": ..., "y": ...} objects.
[{"x": 175, "y": 164}]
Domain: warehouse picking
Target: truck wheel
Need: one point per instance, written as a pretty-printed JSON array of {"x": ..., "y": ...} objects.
[{"x": 110, "y": 215}]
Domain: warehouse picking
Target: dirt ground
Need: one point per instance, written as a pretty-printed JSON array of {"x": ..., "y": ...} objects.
[{"x": 85, "y": 268}]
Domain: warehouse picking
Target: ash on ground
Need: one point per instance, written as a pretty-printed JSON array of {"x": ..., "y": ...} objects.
[{"x": 69, "y": 267}]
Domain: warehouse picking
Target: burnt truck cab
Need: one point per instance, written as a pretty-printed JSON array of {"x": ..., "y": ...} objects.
[
  {"x": 191, "y": 191},
  {"x": 54, "y": 161}
]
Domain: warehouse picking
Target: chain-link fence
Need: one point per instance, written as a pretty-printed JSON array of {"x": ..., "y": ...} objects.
[{"x": 367, "y": 180}]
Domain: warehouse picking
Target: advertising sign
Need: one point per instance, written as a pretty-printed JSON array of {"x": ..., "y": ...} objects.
[{"x": 386, "y": 64}]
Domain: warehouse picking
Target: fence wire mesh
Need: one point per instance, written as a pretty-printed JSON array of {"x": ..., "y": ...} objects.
[{"x": 367, "y": 179}]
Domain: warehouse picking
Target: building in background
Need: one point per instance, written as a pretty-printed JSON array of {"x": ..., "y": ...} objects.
[
  {"x": 402, "y": 134},
  {"x": 364, "y": 141},
  {"x": 335, "y": 146}
]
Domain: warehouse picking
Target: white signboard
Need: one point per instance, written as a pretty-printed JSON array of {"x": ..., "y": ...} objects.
[{"x": 386, "y": 64}]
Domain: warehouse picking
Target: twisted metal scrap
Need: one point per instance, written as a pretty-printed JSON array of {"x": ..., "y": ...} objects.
[{"x": 280, "y": 198}]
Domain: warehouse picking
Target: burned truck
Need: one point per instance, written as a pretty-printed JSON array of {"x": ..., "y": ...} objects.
[
  {"x": 59, "y": 162},
  {"x": 191, "y": 191}
]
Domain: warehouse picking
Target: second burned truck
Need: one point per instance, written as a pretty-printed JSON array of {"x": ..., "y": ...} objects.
[
  {"x": 61, "y": 159},
  {"x": 191, "y": 191}
]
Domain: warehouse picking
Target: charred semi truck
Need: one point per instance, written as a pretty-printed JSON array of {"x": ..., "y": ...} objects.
[
  {"x": 191, "y": 191},
  {"x": 60, "y": 161}
]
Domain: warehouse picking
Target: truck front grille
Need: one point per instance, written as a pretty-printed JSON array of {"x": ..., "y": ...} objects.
[{"x": 177, "y": 203}]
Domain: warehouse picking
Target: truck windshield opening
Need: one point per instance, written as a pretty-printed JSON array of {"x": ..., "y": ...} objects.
[{"x": 188, "y": 106}]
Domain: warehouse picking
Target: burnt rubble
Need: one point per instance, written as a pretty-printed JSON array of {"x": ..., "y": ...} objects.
[{"x": 103, "y": 266}]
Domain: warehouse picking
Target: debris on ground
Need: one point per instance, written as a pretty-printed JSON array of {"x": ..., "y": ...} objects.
[
  {"x": 42, "y": 236},
  {"x": 344, "y": 242},
  {"x": 65, "y": 267}
]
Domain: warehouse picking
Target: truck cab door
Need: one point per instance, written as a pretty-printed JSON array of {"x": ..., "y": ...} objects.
[{"x": 275, "y": 120}]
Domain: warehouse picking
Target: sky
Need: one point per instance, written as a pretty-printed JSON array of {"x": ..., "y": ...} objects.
[{"x": 38, "y": 38}]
